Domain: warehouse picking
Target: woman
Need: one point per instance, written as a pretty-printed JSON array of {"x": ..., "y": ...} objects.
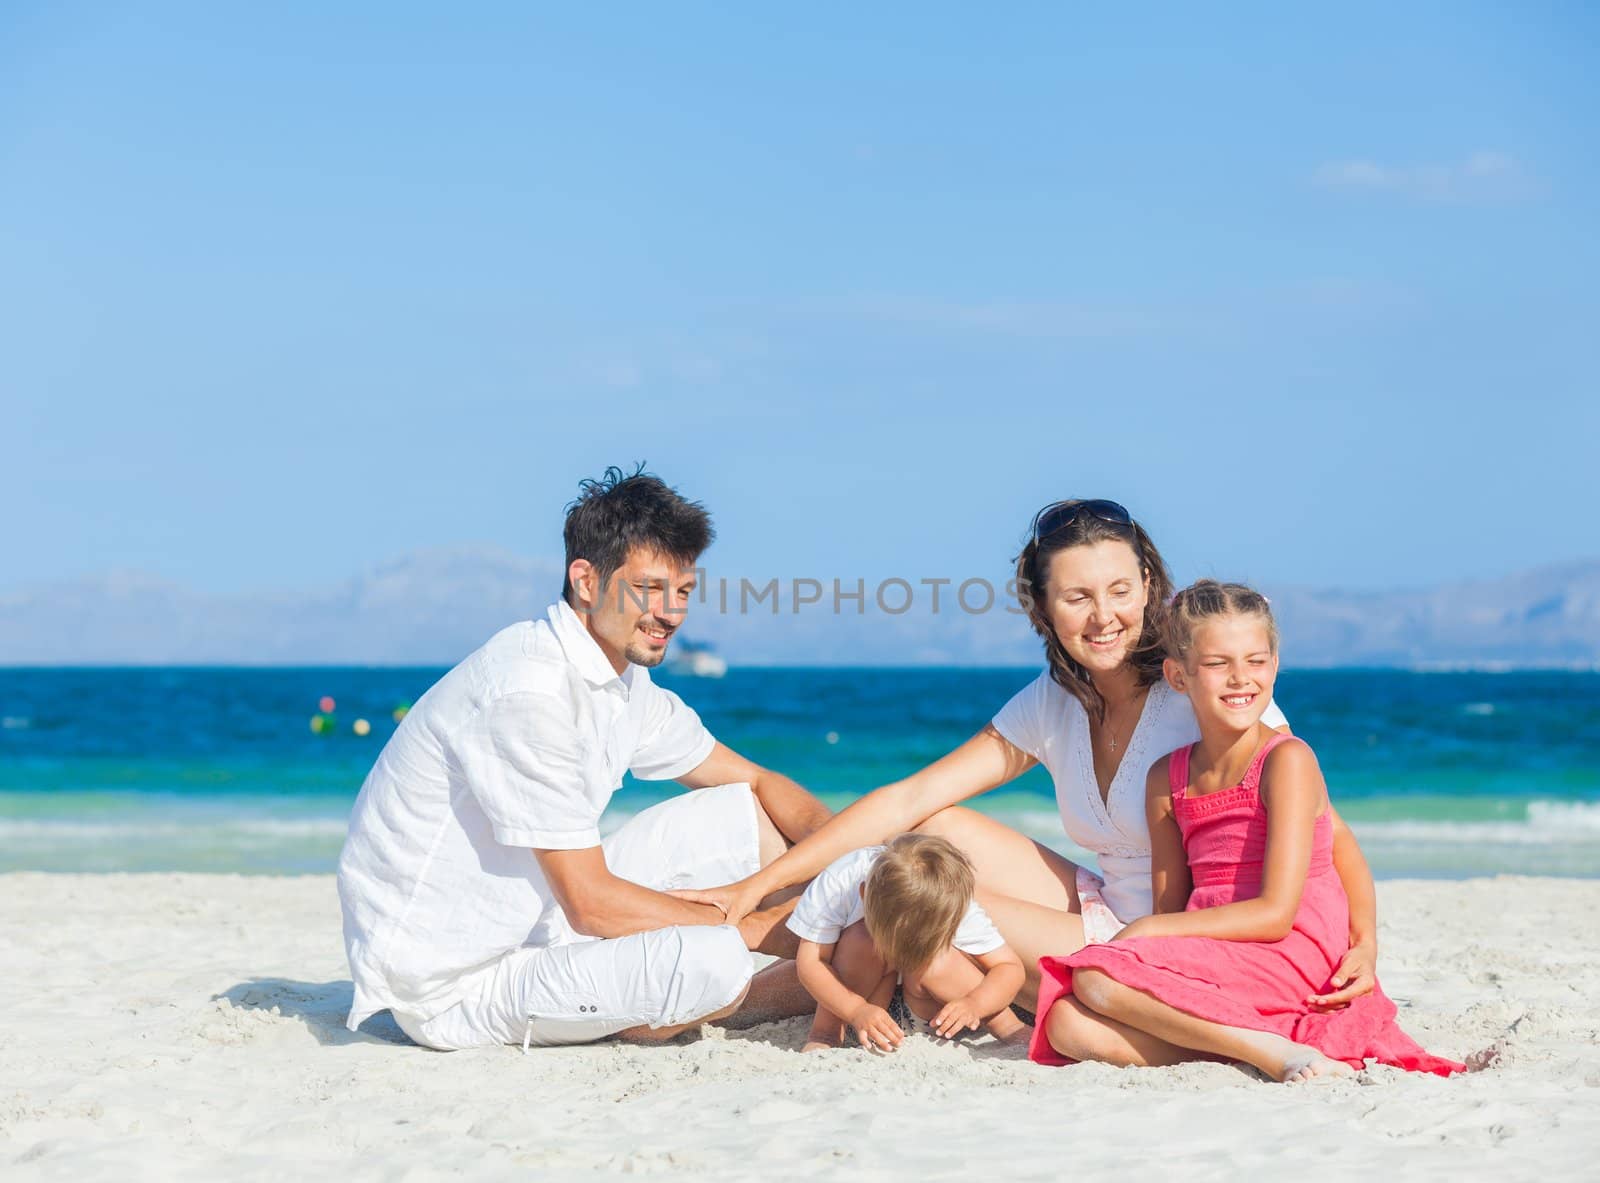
[{"x": 1094, "y": 586}]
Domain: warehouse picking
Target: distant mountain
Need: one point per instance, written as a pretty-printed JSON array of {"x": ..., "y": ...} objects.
[
  {"x": 428, "y": 608},
  {"x": 434, "y": 607},
  {"x": 1546, "y": 617}
]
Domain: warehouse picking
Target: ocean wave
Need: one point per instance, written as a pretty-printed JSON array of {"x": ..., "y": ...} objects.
[
  {"x": 1566, "y": 822},
  {"x": 66, "y": 831},
  {"x": 1552, "y": 837},
  {"x": 1548, "y": 823},
  {"x": 1568, "y": 815}
]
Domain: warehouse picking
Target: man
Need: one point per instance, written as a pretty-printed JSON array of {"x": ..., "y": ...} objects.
[{"x": 480, "y": 904}]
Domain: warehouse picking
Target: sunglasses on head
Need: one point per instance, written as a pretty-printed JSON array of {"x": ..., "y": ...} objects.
[{"x": 1060, "y": 514}]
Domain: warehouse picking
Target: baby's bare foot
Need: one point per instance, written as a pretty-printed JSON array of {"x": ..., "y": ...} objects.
[{"x": 822, "y": 1041}]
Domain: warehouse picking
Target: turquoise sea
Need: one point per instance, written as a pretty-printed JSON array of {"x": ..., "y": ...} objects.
[{"x": 1440, "y": 774}]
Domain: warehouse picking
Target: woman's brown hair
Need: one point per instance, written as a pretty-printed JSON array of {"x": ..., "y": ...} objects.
[{"x": 1033, "y": 569}]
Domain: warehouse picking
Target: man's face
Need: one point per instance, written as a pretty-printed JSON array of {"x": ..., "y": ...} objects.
[{"x": 633, "y": 616}]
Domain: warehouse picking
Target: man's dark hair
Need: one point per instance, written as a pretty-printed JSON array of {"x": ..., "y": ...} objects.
[{"x": 618, "y": 512}]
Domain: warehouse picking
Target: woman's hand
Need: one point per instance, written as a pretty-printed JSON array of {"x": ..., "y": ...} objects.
[
  {"x": 1357, "y": 975},
  {"x": 736, "y": 900}
]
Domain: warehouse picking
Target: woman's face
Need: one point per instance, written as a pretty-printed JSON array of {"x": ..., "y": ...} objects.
[{"x": 1096, "y": 597}]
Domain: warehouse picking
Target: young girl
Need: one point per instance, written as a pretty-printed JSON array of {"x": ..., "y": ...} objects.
[{"x": 1250, "y": 918}]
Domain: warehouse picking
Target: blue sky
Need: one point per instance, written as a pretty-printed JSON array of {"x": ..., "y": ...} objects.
[{"x": 284, "y": 293}]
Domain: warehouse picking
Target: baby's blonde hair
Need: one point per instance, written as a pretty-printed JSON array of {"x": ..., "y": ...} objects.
[
  {"x": 1205, "y": 600},
  {"x": 916, "y": 894}
]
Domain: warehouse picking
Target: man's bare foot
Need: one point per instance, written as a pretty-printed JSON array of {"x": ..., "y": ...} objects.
[
  {"x": 1307, "y": 1063},
  {"x": 813, "y": 1044}
]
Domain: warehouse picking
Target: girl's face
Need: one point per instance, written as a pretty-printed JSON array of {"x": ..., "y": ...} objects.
[
  {"x": 1229, "y": 672},
  {"x": 1096, "y": 598}
]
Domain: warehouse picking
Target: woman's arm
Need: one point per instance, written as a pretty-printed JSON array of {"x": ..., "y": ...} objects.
[
  {"x": 1292, "y": 789},
  {"x": 1170, "y": 881},
  {"x": 986, "y": 760},
  {"x": 1358, "y": 971},
  {"x": 1356, "y": 876}
]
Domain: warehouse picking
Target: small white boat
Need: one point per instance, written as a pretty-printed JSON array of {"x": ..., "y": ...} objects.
[{"x": 696, "y": 659}]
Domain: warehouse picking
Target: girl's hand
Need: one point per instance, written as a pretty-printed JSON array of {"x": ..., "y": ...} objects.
[
  {"x": 875, "y": 1029},
  {"x": 1357, "y": 975},
  {"x": 955, "y": 1017}
]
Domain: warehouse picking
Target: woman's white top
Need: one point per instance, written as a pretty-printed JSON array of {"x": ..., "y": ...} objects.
[{"x": 1051, "y": 725}]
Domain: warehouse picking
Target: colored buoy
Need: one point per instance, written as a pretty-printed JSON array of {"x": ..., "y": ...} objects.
[
  {"x": 361, "y": 727},
  {"x": 325, "y": 704},
  {"x": 321, "y": 724},
  {"x": 401, "y": 710}
]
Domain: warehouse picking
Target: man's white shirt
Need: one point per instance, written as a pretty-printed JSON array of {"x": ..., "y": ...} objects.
[
  {"x": 519, "y": 747},
  {"x": 833, "y": 902}
]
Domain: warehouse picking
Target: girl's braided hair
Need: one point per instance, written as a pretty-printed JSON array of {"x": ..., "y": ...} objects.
[{"x": 1206, "y": 599}]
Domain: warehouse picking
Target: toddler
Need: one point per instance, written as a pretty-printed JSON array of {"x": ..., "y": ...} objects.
[{"x": 903, "y": 913}]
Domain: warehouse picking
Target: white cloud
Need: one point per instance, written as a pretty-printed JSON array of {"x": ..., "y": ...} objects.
[{"x": 1482, "y": 176}]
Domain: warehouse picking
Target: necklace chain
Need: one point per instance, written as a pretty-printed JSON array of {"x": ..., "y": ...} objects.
[{"x": 1111, "y": 736}]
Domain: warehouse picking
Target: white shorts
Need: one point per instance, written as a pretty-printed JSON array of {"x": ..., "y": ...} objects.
[
  {"x": 577, "y": 989},
  {"x": 1100, "y": 923}
]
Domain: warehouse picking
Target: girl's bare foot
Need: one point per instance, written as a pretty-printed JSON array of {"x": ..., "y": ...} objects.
[{"x": 1307, "y": 1063}]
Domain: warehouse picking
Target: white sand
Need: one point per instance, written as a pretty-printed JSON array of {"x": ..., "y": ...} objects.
[{"x": 191, "y": 1026}]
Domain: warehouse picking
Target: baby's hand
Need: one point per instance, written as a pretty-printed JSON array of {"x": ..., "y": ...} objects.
[
  {"x": 956, "y": 1017},
  {"x": 875, "y": 1029}
]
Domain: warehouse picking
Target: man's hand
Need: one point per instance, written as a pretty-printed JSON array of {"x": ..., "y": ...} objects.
[
  {"x": 956, "y": 1017},
  {"x": 875, "y": 1029},
  {"x": 1357, "y": 975},
  {"x": 599, "y": 904}
]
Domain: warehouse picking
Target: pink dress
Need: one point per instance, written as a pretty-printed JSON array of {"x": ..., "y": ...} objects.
[{"x": 1261, "y": 985}]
